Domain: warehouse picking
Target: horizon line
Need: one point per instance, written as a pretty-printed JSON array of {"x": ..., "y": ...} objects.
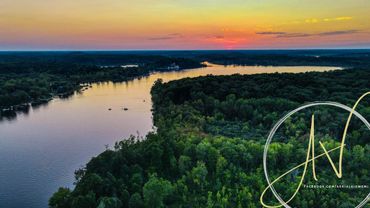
[{"x": 174, "y": 50}]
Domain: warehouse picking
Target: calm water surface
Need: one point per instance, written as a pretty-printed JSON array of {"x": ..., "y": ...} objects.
[{"x": 40, "y": 151}]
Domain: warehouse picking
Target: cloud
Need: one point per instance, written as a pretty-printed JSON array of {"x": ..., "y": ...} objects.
[
  {"x": 337, "y": 19},
  {"x": 270, "y": 33},
  {"x": 175, "y": 34},
  {"x": 300, "y": 35},
  {"x": 316, "y": 20},
  {"x": 338, "y": 32},
  {"x": 166, "y": 37},
  {"x": 294, "y": 35},
  {"x": 313, "y": 20},
  {"x": 219, "y": 36},
  {"x": 283, "y": 34}
]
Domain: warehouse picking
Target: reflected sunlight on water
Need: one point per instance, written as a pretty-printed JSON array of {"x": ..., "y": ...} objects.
[{"x": 40, "y": 150}]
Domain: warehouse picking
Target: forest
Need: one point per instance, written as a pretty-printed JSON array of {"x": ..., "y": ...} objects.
[
  {"x": 35, "y": 78},
  {"x": 208, "y": 145}
]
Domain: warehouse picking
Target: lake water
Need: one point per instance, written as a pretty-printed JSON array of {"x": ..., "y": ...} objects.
[{"x": 40, "y": 150}]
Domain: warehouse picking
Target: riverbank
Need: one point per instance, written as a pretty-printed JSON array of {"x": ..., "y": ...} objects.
[
  {"x": 37, "y": 77},
  {"x": 45, "y": 146},
  {"x": 39, "y": 81}
]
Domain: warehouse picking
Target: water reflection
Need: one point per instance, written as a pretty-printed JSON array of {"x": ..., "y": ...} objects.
[{"x": 42, "y": 147}]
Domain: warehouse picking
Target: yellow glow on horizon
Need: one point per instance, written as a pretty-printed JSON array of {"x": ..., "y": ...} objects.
[{"x": 146, "y": 24}]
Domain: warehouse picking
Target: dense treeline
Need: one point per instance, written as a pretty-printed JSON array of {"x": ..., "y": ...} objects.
[
  {"x": 37, "y": 77},
  {"x": 288, "y": 60},
  {"x": 349, "y": 58},
  {"x": 207, "y": 150}
]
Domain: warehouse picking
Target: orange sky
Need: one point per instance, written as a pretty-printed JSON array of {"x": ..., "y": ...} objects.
[{"x": 183, "y": 24}]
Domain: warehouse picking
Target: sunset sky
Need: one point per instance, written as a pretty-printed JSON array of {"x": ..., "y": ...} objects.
[{"x": 183, "y": 24}]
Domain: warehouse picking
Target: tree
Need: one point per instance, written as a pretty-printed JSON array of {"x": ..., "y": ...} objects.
[
  {"x": 85, "y": 201},
  {"x": 110, "y": 202},
  {"x": 184, "y": 163},
  {"x": 198, "y": 175},
  {"x": 136, "y": 201},
  {"x": 60, "y": 199},
  {"x": 155, "y": 191}
]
